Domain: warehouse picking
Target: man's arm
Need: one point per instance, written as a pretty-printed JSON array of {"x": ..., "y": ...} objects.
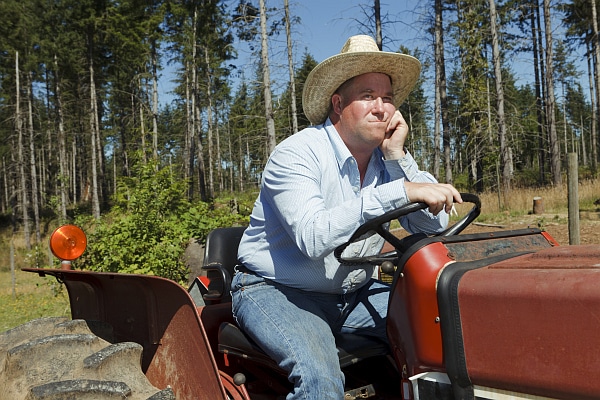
[{"x": 419, "y": 186}]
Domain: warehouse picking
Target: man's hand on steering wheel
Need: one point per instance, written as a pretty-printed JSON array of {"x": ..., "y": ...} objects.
[
  {"x": 378, "y": 225},
  {"x": 437, "y": 196}
]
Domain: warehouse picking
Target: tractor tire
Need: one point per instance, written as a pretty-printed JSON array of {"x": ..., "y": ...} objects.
[{"x": 60, "y": 359}]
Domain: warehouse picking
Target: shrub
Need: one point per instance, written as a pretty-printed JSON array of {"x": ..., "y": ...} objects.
[{"x": 149, "y": 226}]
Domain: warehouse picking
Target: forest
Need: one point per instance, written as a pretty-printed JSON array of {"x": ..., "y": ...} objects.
[{"x": 85, "y": 137}]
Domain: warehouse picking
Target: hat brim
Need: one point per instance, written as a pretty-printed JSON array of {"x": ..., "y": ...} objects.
[{"x": 328, "y": 76}]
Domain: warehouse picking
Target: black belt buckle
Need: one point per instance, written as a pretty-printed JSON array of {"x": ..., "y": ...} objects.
[{"x": 243, "y": 269}]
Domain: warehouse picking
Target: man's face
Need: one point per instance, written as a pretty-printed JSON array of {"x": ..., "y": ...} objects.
[{"x": 364, "y": 106}]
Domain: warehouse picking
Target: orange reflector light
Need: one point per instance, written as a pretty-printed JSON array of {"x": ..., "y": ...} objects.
[{"x": 68, "y": 242}]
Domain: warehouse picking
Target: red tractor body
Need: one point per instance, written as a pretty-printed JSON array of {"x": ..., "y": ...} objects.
[{"x": 470, "y": 316}]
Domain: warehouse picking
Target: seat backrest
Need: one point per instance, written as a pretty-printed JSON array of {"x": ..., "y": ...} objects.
[{"x": 220, "y": 259}]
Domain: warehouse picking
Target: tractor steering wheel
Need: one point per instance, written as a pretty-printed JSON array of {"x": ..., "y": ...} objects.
[{"x": 377, "y": 225}]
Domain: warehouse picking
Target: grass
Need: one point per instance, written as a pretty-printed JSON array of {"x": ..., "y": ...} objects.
[
  {"x": 520, "y": 202},
  {"x": 30, "y": 297}
]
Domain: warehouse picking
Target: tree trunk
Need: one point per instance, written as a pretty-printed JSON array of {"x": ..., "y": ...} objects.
[
  {"x": 114, "y": 160},
  {"x": 142, "y": 122},
  {"x": 100, "y": 158},
  {"x": 437, "y": 112},
  {"x": 288, "y": 33},
  {"x": 73, "y": 173},
  {"x": 154, "y": 102},
  {"x": 583, "y": 151},
  {"x": 596, "y": 47},
  {"x": 200, "y": 157},
  {"x": 437, "y": 115},
  {"x": 196, "y": 124},
  {"x": 440, "y": 65},
  {"x": 539, "y": 102},
  {"x": 271, "y": 138},
  {"x": 241, "y": 165},
  {"x": 504, "y": 154},
  {"x": 94, "y": 131},
  {"x": 209, "y": 120},
  {"x": 32, "y": 164},
  {"x": 551, "y": 107},
  {"x": 190, "y": 131},
  {"x": 231, "y": 168},
  {"x": 594, "y": 115},
  {"x": 21, "y": 158},
  {"x": 378, "y": 34},
  {"x": 5, "y": 200},
  {"x": 219, "y": 154}
]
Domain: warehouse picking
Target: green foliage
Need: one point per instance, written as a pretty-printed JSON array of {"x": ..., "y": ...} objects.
[{"x": 149, "y": 226}]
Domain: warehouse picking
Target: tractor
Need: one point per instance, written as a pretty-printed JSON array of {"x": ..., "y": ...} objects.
[{"x": 498, "y": 315}]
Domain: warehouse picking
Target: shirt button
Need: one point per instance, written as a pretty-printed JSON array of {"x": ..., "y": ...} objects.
[{"x": 356, "y": 189}]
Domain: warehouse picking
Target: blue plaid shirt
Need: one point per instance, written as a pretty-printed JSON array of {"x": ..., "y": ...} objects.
[{"x": 311, "y": 201}]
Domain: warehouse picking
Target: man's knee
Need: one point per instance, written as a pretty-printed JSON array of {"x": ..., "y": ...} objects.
[{"x": 318, "y": 381}]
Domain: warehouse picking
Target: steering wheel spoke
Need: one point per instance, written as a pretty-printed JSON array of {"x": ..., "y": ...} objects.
[{"x": 378, "y": 225}]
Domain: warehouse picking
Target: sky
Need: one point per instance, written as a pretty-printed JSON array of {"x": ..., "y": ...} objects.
[
  {"x": 324, "y": 28},
  {"x": 325, "y": 25}
]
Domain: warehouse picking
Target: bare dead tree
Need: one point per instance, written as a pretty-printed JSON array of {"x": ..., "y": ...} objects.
[
  {"x": 378, "y": 34},
  {"x": 94, "y": 133},
  {"x": 504, "y": 153},
  {"x": 288, "y": 35},
  {"x": 441, "y": 95},
  {"x": 538, "y": 68},
  {"x": 594, "y": 116},
  {"x": 271, "y": 139},
  {"x": 154, "y": 102},
  {"x": 62, "y": 144},
  {"x": 21, "y": 157},
  {"x": 32, "y": 163},
  {"x": 596, "y": 47},
  {"x": 551, "y": 102},
  {"x": 209, "y": 120}
]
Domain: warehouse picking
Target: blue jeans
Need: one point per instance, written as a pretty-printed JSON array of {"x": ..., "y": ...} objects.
[{"x": 297, "y": 328}]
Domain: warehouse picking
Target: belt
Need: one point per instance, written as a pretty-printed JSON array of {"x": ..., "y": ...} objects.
[{"x": 243, "y": 269}]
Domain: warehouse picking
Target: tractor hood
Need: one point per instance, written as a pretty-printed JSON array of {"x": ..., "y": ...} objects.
[{"x": 527, "y": 324}]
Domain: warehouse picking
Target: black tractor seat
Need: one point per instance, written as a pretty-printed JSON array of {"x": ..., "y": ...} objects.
[
  {"x": 351, "y": 348},
  {"x": 220, "y": 260}
]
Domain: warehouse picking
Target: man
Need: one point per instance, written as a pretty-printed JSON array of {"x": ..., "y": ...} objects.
[{"x": 291, "y": 295}]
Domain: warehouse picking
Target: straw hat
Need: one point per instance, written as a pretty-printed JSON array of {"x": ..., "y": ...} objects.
[{"x": 360, "y": 55}]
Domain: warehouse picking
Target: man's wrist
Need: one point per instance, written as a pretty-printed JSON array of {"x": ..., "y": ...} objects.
[{"x": 396, "y": 155}]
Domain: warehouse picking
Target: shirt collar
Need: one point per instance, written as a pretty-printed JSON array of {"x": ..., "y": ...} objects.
[{"x": 342, "y": 154}]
